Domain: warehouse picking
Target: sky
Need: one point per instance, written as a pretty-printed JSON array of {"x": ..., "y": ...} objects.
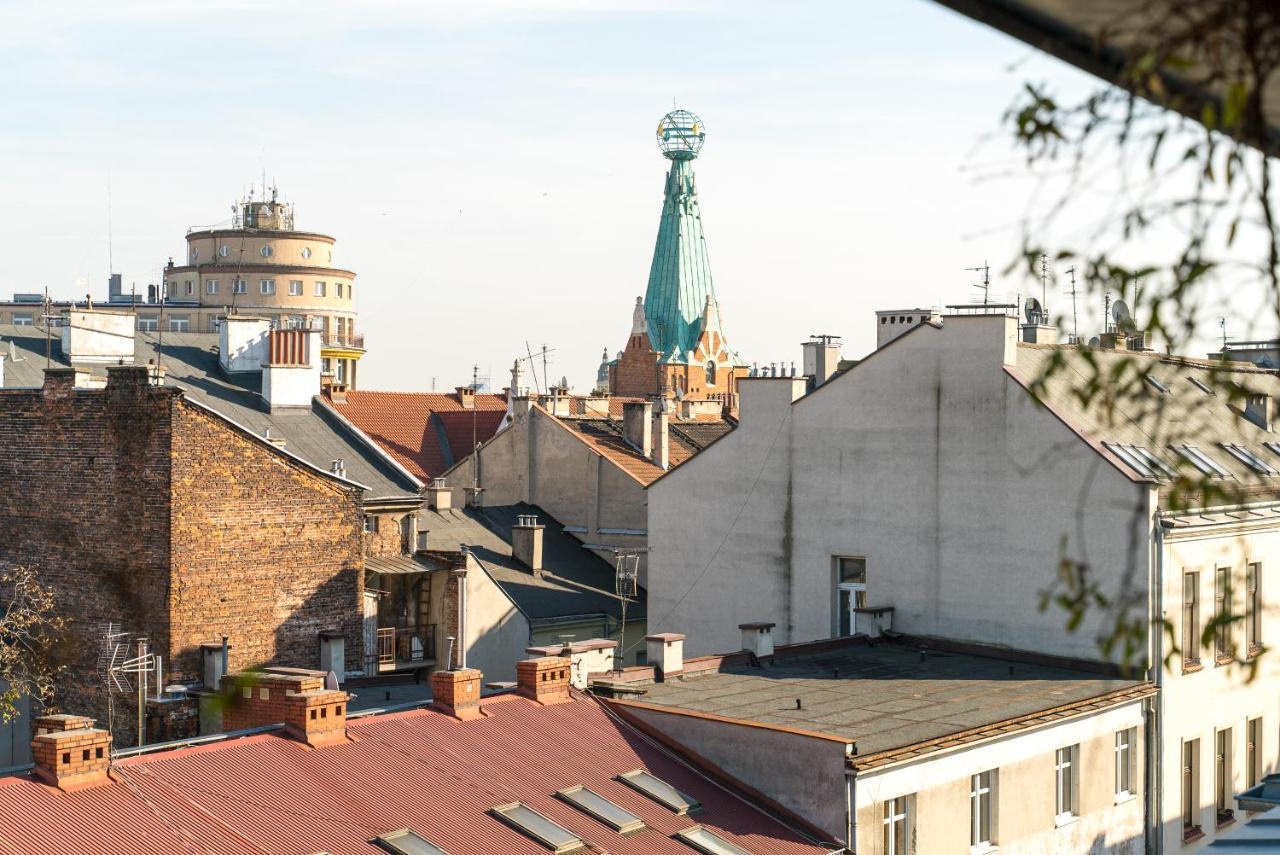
[{"x": 489, "y": 167}]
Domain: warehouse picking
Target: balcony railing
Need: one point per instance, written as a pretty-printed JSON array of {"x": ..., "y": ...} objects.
[
  {"x": 333, "y": 339},
  {"x": 405, "y": 647}
]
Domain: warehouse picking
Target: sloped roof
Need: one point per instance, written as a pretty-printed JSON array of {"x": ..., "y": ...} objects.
[
  {"x": 686, "y": 438},
  {"x": 1129, "y": 407},
  {"x": 191, "y": 363},
  {"x": 577, "y": 582},
  {"x": 426, "y": 432},
  {"x": 420, "y": 769}
]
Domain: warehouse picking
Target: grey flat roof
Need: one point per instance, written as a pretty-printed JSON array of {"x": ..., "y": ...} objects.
[
  {"x": 191, "y": 364},
  {"x": 883, "y": 697}
]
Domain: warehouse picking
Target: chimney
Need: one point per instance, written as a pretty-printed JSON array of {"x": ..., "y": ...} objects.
[
  {"x": 757, "y": 638},
  {"x": 473, "y": 496},
  {"x": 457, "y": 693},
  {"x": 215, "y": 663},
  {"x": 1039, "y": 334},
  {"x": 102, "y": 337},
  {"x": 338, "y": 467},
  {"x": 312, "y": 713},
  {"x": 661, "y": 434},
  {"x": 466, "y": 397},
  {"x": 666, "y": 654},
  {"x": 242, "y": 343},
  {"x": 545, "y": 679},
  {"x": 69, "y": 752},
  {"x": 439, "y": 496},
  {"x": 821, "y": 356},
  {"x": 526, "y": 542},
  {"x": 593, "y": 656},
  {"x": 338, "y": 393},
  {"x": 291, "y": 373},
  {"x": 637, "y": 427},
  {"x": 58, "y": 382},
  {"x": 1260, "y": 408}
]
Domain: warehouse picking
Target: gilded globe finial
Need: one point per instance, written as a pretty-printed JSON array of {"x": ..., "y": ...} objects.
[{"x": 680, "y": 135}]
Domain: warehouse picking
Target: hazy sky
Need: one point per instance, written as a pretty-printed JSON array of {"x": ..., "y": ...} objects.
[{"x": 489, "y": 168}]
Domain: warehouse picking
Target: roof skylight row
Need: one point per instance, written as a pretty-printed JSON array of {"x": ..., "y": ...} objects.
[{"x": 1148, "y": 464}]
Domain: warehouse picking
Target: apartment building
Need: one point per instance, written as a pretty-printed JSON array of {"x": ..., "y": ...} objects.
[{"x": 950, "y": 478}]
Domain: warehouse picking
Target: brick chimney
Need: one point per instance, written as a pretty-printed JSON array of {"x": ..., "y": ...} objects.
[
  {"x": 296, "y": 697},
  {"x": 466, "y": 397},
  {"x": 526, "y": 542},
  {"x": 666, "y": 654},
  {"x": 69, "y": 752},
  {"x": 545, "y": 679},
  {"x": 439, "y": 496},
  {"x": 457, "y": 693},
  {"x": 59, "y": 382},
  {"x": 637, "y": 427}
]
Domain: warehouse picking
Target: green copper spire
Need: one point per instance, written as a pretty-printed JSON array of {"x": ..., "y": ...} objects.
[{"x": 675, "y": 302}]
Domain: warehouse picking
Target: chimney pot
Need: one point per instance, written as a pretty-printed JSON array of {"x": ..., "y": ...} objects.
[
  {"x": 544, "y": 679},
  {"x": 439, "y": 496},
  {"x": 466, "y": 397},
  {"x": 457, "y": 693}
]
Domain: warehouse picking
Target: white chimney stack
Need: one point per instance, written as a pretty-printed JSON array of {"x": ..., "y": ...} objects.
[
  {"x": 242, "y": 343},
  {"x": 526, "y": 542},
  {"x": 637, "y": 425},
  {"x": 99, "y": 337},
  {"x": 757, "y": 638},
  {"x": 666, "y": 654},
  {"x": 291, "y": 372}
]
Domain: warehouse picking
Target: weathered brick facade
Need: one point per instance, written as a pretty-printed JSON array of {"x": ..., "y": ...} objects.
[
  {"x": 139, "y": 507},
  {"x": 388, "y": 539}
]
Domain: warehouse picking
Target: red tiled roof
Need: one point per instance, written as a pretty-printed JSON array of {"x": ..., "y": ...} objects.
[
  {"x": 404, "y": 424},
  {"x": 420, "y": 769}
]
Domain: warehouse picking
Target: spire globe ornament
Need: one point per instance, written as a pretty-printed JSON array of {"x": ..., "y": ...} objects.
[{"x": 680, "y": 135}]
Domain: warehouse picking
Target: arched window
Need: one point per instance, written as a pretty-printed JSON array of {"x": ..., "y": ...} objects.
[{"x": 711, "y": 372}]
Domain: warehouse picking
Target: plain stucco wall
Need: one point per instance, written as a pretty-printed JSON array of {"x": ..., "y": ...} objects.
[
  {"x": 927, "y": 460},
  {"x": 497, "y": 633}
]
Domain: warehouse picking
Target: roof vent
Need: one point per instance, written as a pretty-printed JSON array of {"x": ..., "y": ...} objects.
[{"x": 338, "y": 467}]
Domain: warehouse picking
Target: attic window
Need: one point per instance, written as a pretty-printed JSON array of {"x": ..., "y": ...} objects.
[
  {"x": 1273, "y": 447},
  {"x": 406, "y": 841},
  {"x": 1248, "y": 458},
  {"x": 1200, "y": 461},
  {"x": 704, "y": 840},
  {"x": 1158, "y": 385},
  {"x": 1202, "y": 386},
  {"x": 527, "y": 820},
  {"x": 619, "y": 819},
  {"x": 660, "y": 791},
  {"x": 1142, "y": 460}
]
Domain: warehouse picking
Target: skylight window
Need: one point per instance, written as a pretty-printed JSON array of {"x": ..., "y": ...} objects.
[
  {"x": 1158, "y": 385},
  {"x": 660, "y": 791},
  {"x": 1273, "y": 447},
  {"x": 704, "y": 840},
  {"x": 406, "y": 841},
  {"x": 1142, "y": 460},
  {"x": 1200, "y": 461},
  {"x": 1202, "y": 386},
  {"x": 527, "y": 820},
  {"x": 1248, "y": 458},
  {"x": 619, "y": 819}
]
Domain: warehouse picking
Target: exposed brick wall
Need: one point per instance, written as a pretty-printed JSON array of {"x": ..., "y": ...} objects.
[
  {"x": 86, "y": 504},
  {"x": 636, "y": 373},
  {"x": 387, "y": 540},
  {"x": 264, "y": 550}
]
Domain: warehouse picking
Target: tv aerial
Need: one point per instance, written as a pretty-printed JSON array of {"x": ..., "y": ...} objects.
[
  {"x": 1034, "y": 312},
  {"x": 986, "y": 281}
]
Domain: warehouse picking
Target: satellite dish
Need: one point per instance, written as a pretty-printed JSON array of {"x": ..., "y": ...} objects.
[
  {"x": 1120, "y": 313},
  {"x": 1095, "y": 342},
  {"x": 1034, "y": 311}
]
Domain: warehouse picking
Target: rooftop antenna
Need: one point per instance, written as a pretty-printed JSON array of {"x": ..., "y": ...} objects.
[
  {"x": 1044, "y": 278},
  {"x": 113, "y": 650},
  {"x": 475, "y": 382},
  {"x": 1075, "y": 329},
  {"x": 48, "y": 329},
  {"x": 626, "y": 572},
  {"x": 111, "y": 257},
  {"x": 531, "y": 356},
  {"x": 142, "y": 664},
  {"x": 986, "y": 280},
  {"x": 1106, "y": 311},
  {"x": 1222, "y": 323}
]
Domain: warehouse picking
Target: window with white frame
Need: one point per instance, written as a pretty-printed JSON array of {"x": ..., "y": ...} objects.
[
  {"x": 1065, "y": 766},
  {"x": 239, "y": 287},
  {"x": 191, "y": 288},
  {"x": 1253, "y": 753},
  {"x": 1249, "y": 459},
  {"x": 295, "y": 287},
  {"x": 1223, "y": 797},
  {"x": 179, "y": 323},
  {"x": 1190, "y": 620},
  {"x": 1205, "y": 464},
  {"x": 23, "y": 319},
  {"x": 1223, "y": 650},
  {"x": 1191, "y": 790},
  {"x": 1125, "y": 765},
  {"x": 211, "y": 286},
  {"x": 320, "y": 289},
  {"x": 982, "y": 827},
  {"x": 148, "y": 323},
  {"x": 338, "y": 287},
  {"x": 267, "y": 286},
  {"x": 851, "y": 590},
  {"x": 1253, "y": 608},
  {"x": 897, "y": 826}
]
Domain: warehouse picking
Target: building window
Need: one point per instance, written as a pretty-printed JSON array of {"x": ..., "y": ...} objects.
[
  {"x": 306, "y": 252},
  {"x": 981, "y": 825},
  {"x": 1222, "y": 615},
  {"x": 23, "y": 319},
  {"x": 191, "y": 288},
  {"x": 295, "y": 287},
  {"x": 195, "y": 255},
  {"x": 320, "y": 289},
  {"x": 239, "y": 287},
  {"x": 371, "y": 523},
  {"x": 851, "y": 591},
  {"x": 147, "y": 323},
  {"x": 326, "y": 365},
  {"x": 1191, "y": 790},
  {"x": 1067, "y": 785},
  {"x": 266, "y": 251},
  {"x": 897, "y": 826},
  {"x": 711, "y": 372},
  {"x": 1125, "y": 763},
  {"x": 211, "y": 286},
  {"x": 338, "y": 287},
  {"x": 267, "y": 286},
  {"x": 1253, "y": 608},
  {"x": 1222, "y": 795},
  {"x": 1253, "y": 753},
  {"x": 1190, "y": 621},
  {"x": 179, "y": 323},
  {"x": 224, "y": 250}
]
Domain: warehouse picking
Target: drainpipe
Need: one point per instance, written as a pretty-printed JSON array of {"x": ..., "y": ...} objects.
[
  {"x": 851, "y": 813},
  {"x": 1154, "y": 730}
]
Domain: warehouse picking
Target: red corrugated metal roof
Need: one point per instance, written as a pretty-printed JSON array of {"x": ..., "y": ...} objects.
[
  {"x": 419, "y": 769},
  {"x": 401, "y": 423}
]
